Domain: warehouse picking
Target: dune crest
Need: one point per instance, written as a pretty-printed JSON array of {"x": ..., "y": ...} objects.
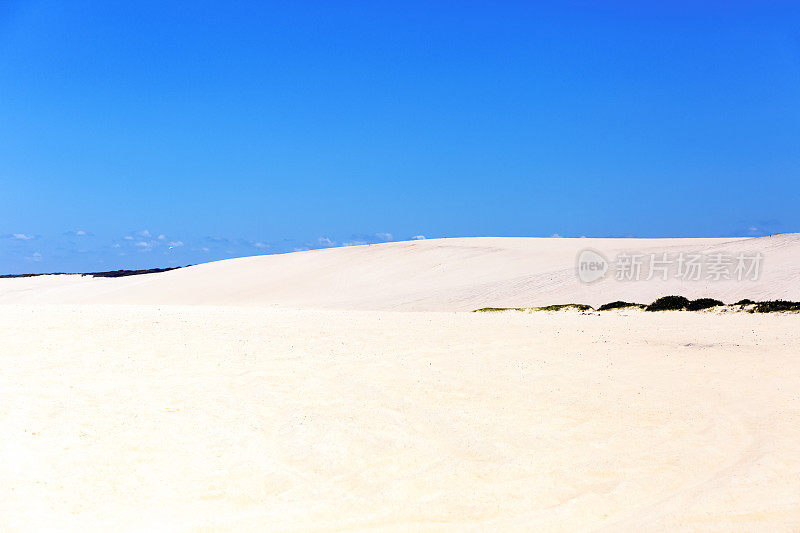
[{"x": 459, "y": 274}]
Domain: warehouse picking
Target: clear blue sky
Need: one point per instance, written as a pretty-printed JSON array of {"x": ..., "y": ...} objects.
[{"x": 236, "y": 128}]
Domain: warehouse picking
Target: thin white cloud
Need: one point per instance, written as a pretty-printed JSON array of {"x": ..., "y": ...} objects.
[
  {"x": 368, "y": 238},
  {"x": 78, "y": 233},
  {"x": 36, "y": 256},
  {"x": 555, "y": 236},
  {"x": 324, "y": 241},
  {"x": 418, "y": 238},
  {"x": 22, "y": 236}
]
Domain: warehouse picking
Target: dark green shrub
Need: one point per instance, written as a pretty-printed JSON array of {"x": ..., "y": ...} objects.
[
  {"x": 702, "y": 303},
  {"x": 777, "y": 306},
  {"x": 495, "y": 309},
  {"x": 744, "y": 302},
  {"x": 668, "y": 303},
  {"x": 618, "y": 305}
]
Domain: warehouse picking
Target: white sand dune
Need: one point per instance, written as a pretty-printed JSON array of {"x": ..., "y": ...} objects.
[
  {"x": 433, "y": 275},
  {"x": 211, "y": 405}
]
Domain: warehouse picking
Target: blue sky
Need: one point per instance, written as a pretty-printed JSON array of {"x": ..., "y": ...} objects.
[{"x": 147, "y": 134}]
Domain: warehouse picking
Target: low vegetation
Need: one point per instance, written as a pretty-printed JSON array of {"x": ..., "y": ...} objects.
[
  {"x": 109, "y": 274},
  {"x": 563, "y": 307},
  {"x": 557, "y": 307},
  {"x": 703, "y": 303},
  {"x": 776, "y": 306},
  {"x": 669, "y": 303},
  {"x": 11, "y": 276},
  {"x": 123, "y": 273},
  {"x": 619, "y": 305}
]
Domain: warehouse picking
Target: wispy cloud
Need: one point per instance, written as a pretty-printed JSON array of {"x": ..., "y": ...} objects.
[
  {"x": 359, "y": 239},
  {"x": 79, "y": 250},
  {"x": 418, "y": 238}
]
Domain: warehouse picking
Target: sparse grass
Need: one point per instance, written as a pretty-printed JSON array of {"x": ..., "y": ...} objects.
[
  {"x": 665, "y": 303},
  {"x": 558, "y": 307},
  {"x": 703, "y": 303},
  {"x": 562, "y": 307},
  {"x": 619, "y": 305},
  {"x": 497, "y": 309},
  {"x": 669, "y": 303}
]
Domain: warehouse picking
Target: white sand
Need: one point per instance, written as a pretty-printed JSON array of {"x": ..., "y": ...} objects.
[
  {"x": 433, "y": 275},
  {"x": 245, "y": 418}
]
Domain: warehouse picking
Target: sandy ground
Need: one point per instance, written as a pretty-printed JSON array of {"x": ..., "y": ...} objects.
[
  {"x": 431, "y": 275},
  {"x": 147, "y": 418}
]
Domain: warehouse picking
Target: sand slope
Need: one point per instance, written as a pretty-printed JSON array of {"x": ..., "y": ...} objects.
[
  {"x": 245, "y": 415},
  {"x": 437, "y": 274},
  {"x": 117, "y": 418}
]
